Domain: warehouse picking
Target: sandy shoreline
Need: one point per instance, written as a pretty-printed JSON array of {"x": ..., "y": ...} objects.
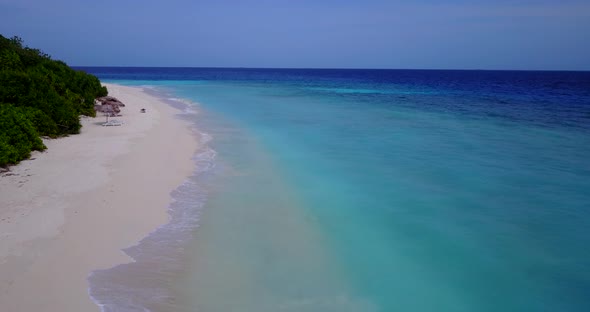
[{"x": 70, "y": 210}]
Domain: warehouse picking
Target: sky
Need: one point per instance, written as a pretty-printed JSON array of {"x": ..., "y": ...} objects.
[{"x": 419, "y": 34}]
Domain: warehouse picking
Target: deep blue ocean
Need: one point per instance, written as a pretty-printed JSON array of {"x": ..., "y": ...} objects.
[{"x": 385, "y": 190}]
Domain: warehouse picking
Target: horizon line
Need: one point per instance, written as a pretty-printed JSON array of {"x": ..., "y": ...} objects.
[{"x": 335, "y": 68}]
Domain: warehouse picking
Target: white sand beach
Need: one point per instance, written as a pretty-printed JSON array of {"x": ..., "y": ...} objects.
[{"x": 71, "y": 209}]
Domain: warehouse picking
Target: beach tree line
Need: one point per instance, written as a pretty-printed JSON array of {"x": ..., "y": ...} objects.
[{"x": 39, "y": 97}]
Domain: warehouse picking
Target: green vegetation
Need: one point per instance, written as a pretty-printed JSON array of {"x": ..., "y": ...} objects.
[{"x": 39, "y": 97}]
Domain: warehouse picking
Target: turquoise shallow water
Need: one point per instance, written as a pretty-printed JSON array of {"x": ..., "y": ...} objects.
[{"x": 340, "y": 192}]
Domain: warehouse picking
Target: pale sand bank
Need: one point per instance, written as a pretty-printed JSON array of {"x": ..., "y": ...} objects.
[{"x": 74, "y": 207}]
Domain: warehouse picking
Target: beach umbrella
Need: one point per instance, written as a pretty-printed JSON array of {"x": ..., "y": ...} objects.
[
  {"x": 107, "y": 110},
  {"x": 110, "y": 99},
  {"x": 114, "y": 103},
  {"x": 110, "y": 110},
  {"x": 107, "y": 98},
  {"x": 108, "y": 105}
]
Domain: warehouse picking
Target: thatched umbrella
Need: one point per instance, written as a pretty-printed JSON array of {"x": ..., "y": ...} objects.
[
  {"x": 108, "y": 105},
  {"x": 110, "y": 99},
  {"x": 107, "y": 98},
  {"x": 109, "y": 110},
  {"x": 110, "y": 102}
]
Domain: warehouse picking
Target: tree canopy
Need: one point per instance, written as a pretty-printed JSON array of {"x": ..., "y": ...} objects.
[{"x": 39, "y": 97}]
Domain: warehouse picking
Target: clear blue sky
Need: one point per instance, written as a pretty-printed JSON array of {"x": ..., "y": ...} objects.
[{"x": 457, "y": 34}]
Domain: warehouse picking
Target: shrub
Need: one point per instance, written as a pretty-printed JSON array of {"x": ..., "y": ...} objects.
[
  {"x": 43, "y": 97},
  {"x": 18, "y": 136}
]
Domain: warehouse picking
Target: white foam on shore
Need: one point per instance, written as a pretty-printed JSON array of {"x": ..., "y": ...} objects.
[{"x": 143, "y": 284}]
